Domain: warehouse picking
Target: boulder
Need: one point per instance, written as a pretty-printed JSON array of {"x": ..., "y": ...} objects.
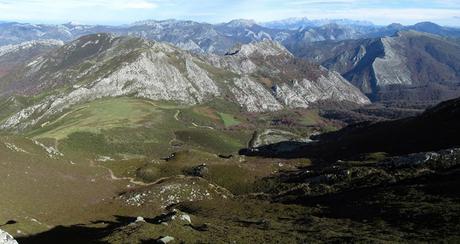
[
  {"x": 166, "y": 239},
  {"x": 6, "y": 238}
]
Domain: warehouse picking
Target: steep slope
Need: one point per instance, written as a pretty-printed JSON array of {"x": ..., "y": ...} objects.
[
  {"x": 13, "y": 56},
  {"x": 102, "y": 65},
  {"x": 435, "y": 129},
  {"x": 383, "y": 67}
]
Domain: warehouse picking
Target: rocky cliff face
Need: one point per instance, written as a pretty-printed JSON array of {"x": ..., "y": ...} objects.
[
  {"x": 393, "y": 67},
  {"x": 258, "y": 77}
]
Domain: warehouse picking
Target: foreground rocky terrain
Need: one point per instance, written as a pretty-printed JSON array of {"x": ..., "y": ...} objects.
[{"x": 374, "y": 197}]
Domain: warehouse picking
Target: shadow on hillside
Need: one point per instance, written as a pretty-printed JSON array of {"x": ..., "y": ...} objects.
[
  {"x": 78, "y": 233},
  {"x": 426, "y": 203},
  {"x": 435, "y": 129},
  {"x": 82, "y": 233},
  {"x": 286, "y": 149}
]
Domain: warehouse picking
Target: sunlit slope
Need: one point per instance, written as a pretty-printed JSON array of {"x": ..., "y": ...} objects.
[
  {"x": 121, "y": 126},
  {"x": 42, "y": 187}
]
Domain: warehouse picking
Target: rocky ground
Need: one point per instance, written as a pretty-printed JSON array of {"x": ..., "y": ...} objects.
[{"x": 378, "y": 199}]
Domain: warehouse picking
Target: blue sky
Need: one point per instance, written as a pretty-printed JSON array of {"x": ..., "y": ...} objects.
[{"x": 445, "y": 12}]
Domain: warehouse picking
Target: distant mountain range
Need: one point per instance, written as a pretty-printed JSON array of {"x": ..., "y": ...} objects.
[
  {"x": 395, "y": 62},
  {"x": 218, "y": 38},
  {"x": 300, "y": 23}
]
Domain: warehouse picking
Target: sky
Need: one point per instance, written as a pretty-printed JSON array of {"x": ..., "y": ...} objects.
[{"x": 118, "y": 12}]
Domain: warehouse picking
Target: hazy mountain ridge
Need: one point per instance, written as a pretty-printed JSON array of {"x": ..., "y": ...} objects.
[
  {"x": 216, "y": 38},
  {"x": 199, "y": 37},
  {"x": 299, "y": 23},
  {"x": 377, "y": 66}
]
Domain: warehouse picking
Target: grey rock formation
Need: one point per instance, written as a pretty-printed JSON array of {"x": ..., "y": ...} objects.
[
  {"x": 166, "y": 239},
  {"x": 291, "y": 85},
  {"x": 6, "y": 238}
]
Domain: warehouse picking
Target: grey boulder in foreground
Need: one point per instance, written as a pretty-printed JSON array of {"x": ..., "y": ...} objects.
[{"x": 6, "y": 238}]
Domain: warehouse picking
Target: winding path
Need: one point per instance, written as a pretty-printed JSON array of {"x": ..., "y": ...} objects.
[{"x": 131, "y": 180}]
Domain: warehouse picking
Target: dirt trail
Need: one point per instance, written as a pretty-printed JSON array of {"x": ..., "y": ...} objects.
[
  {"x": 114, "y": 177},
  {"x": 202, "y": 126},
  {"x": 176, "y": 116},
  {"x": 131, "y": 180}
]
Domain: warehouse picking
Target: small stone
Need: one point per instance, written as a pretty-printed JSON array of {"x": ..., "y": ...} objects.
[
  {"x": 6, "y": 238},
  {"x": 140, "y": 219},
  {"x": 166, "y": 239},
  {"x": 186, "y": 217},
  {"x": 199, "y": 171}
]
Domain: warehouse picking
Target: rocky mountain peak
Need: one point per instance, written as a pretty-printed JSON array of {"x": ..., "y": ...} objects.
[
  {"x": 29, "y": 44},
  {"x": 241, "y": 23},
  {"x": 93, "y": 39},
  {"x": 152, "y": 22}
]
